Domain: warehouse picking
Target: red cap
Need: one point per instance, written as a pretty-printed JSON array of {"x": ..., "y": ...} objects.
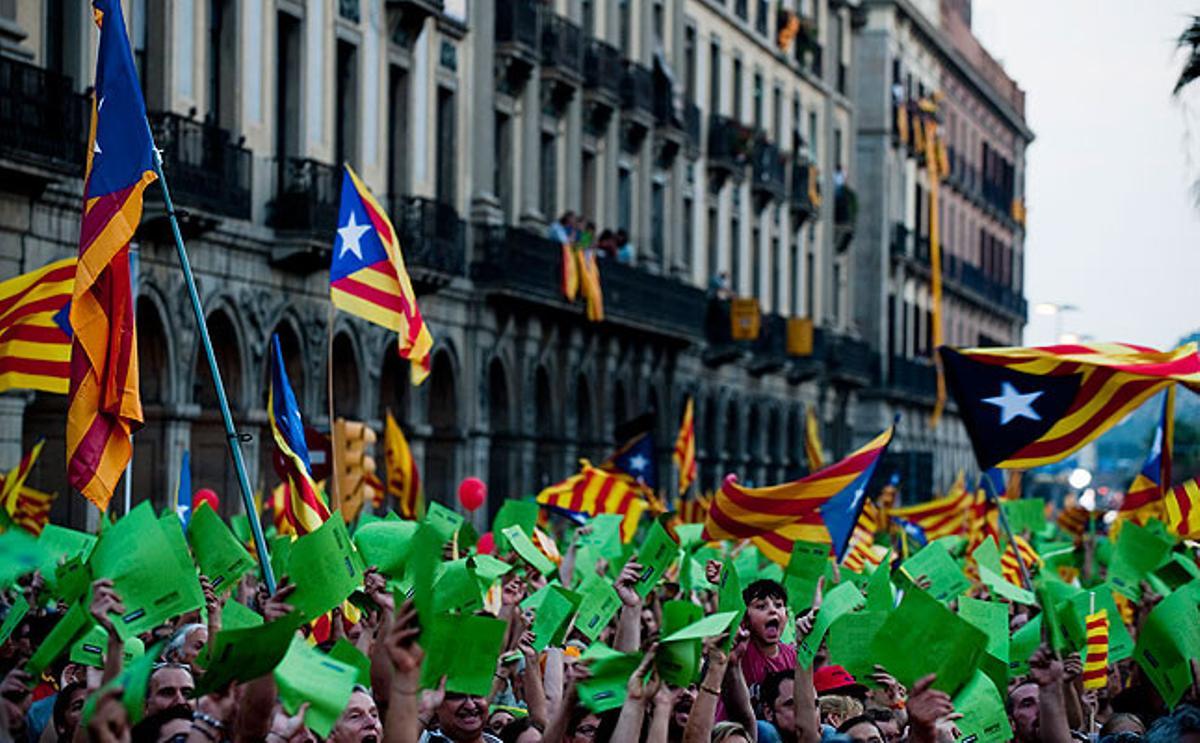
[{"x": 836, "y": 680}]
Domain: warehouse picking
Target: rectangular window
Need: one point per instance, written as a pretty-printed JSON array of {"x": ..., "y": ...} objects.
[
  {"x": 837, "y": 292},
  {"x": 549, "y": 175},
  {"x": 762, "y": 18},
  {"x": 689, "y": 63},
  {"x": 837, "y": 148},
  {"x": 714, "y": 77},
  {"x": 658, "y": 215},
  {"x": 287, "y": 92},
  {"x": 504, "y": 164},
  {"x": 756, "y": 262},
  {"x": 397, "y": 151},
  {"x": 797, "y": 130},
  {"x": 742, "y": 9},
  {"x": 758, "y": 100},
  {"x": 346, "y": 132},
  {"x": 794, "y": 273},
  {"x": 446, "y": 154},
  {"x": 777, "y": 115},
  {"x": 810, "y": 281},
  {"x": 712, "y": 241},
  {"x": 590, "y": 186},
  {"x": 737, "y": 89},
  {"x": 625, "y": 200},
  {"x": 624, "y": 28},
  {"x": 735, "y": 244},
  {"x": 775, "y": 268},
  {"x": 587, "y": 16},
  {"x": 812, "y": 137},
  {"x": 689, "y": 236}
]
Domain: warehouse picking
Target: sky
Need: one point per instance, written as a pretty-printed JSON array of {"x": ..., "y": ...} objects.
[{"x": 1113, "y": 227}]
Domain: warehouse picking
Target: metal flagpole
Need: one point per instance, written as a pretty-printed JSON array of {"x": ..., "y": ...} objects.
[
  {"x": 232, "y": 437},
  {"x": 990, "y": 487},
  {"x": 134, "y": 267}
]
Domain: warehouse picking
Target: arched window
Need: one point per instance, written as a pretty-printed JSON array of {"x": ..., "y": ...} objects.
[
  {"x": 346, "y": 397},
  {"x": 211, "y": 465},
  {"x": 500, "y": 465},
  {"x": 543, "y": 463},
  {"x": 441, "y": 456}
]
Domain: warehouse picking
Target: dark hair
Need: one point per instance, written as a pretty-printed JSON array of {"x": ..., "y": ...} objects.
[
  {"x": 1185, "y": 719},
  {"x": 510, "y": 732},
  {"x": 150, "y": 728},
  {"x": 63, "y": 701},
  {"x": 881, "y": 714},
  {"x": 606, "y": 234},
  {"x": 1008, "y": 698},
  {"x": 859, "y": 720},
  {"x": 1118, "y": 718},
  {"x": 768, "y": 690},
  {"x": 764, "y": 588}
]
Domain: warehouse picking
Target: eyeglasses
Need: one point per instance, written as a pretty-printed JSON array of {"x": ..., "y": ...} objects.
[{"x": 587, "y": 731}]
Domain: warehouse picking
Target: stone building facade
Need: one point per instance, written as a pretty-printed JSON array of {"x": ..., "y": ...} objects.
[
  {"x": 908, "y": 50},
  {"x": 729, "y": 157}
]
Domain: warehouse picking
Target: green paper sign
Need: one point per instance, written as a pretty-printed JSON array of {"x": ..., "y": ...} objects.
[
  {"x": 656, "y": 555},
  {"x": 324, "y": 568},
  {"x": 236, "y": 615},
  {"x": 89, "y": 650},
  {"x": 444, "y": 521},
  {"x": 949, "y": 645},
  {"x": 70, "y": 628},
  {"x": 984, "y": 718},
  {"x": 464, "y": 649},
  {"x": 1165, "y": 646},
  {"x": 344, "y": 651},
  {"x": 1072, "y": 615},
  {"x": 245, "y": 653},
  {"x": 604, "y": 688},
  {"x": 553, "y": 616},
  {"x": 456, "y": 588},
  {"x": 386, "y": 544},
  {"x": 522, "y": 513},
  {"x": 807, "y": 564},
  {"x": 842, "y": 600},
  {"x": 946, "y": 579},
  {"x": 992, "y": 618},
  {"x": 16, "y": 613},
  {"x": 850, "y": 638},
  {"x": 219, "y": 554},
  {"x": 527, "y": 550},
  {"x": 308, "y": 675},
  {"x": 598, "y": 604},
  {"x": 20, "y": 554},
  {"x": 1027, "y": 514}
]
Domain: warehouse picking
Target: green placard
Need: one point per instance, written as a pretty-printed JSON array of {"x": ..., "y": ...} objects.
[
  {"x": 385, "y": 544},
  {"x": 324, "y": 568},
  {"x": 308, "y": 675},
  {"x": 219, "y": 554},
  {"x": 946, "y": 579},
  {"x": 656, "y": 555},
  {"x": 949, "y": 645},
  {"x": 843, "y": 599},
  {"x": 464, "y": 649},
  {"x": 984, "y": 719}
]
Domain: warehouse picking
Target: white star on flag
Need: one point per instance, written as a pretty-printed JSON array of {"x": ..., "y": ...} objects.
[
  {"x": 1013, "y": 404},
  {"x": 638, "y": 462},
  {"x": 351, "y": 233}
]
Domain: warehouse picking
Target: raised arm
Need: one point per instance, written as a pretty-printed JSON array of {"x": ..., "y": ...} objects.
[
  {"x": 735, "y": 692},
  {"x": 105, "y": 601},
  {"x": 629, "y": 622},
  {"x": 808, "y": 722},
  {"x": 1047, "y": 672},
  {"x": 640, "y": 689},
  {"x": 535, "y": 693},
  {"x": 401, "y": 724},
  {"x": 704, "y": 709}
]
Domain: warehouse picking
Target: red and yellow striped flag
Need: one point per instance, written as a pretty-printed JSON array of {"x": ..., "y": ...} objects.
[
  {"x": 35, "y": 332},
  {"x": 594, "y": 491},
  {"x": 105, "y": 408},
  {"x": 1095, "y": 663},
  {"x": 403, "y": 478},
  {"x": 862, "y": 540},
  {"x": 1182, "y": 505},
  {"x": 943, "y": 516},
  {"x": 693, "y": 510},
  {"x": 368, "y": 278},
  {"x": 685, "y": 448},
  {"x": 32, "y": 509},
  {"x": 1010, "y": 568},
  {"x": 570, "y": 271},
  {"x": 812, "y": 441},
  {"x": 1074, "y": 520},
  {"x": 590, "y": 285},
  {"x": 15, "y": 479}
]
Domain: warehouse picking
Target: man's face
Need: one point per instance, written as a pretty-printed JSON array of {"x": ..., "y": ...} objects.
[
  {"x": 1025, "y": 711},
  {"x": 765, "y": 618},
  {"x": 168, "y": 687},
  {"x": 782, "y": 714},
  {"x": 193, "y": 644},
  {"x": 359, "y": 722},
  {"x": 74, "y": 713},
  {"x": 864, "y": 732},
  {"x": 462, "y": 717},
  {"x": 585, "y": 731},
  {"x": 681, "y": 705}
]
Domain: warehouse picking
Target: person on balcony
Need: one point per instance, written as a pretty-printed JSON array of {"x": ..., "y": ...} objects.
[
  {"x": 563, "y": 229},
  {"x": 626, "y": 252}
]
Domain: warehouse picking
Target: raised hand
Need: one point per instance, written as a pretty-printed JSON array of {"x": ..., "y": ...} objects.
[
  {"x": 402, "y": 648},
  {"x": 1044, "y": 668},
  {"x": 375, "y": 586},
  {"x": 891, "y": 689},
  {"x": 644, "y": 683},
  {"x": 927, "y": 705},
  {"x": 276, "y": 606},
  {"x": 626, "y": 582},
  {"x": 712, "y": 572},
  {"x": 805, "y": 622},
  {"x": 105, "y": 601}
]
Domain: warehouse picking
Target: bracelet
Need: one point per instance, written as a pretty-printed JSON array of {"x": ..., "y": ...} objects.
[
  {"x": 208, "y": 720},
  {"x": 200, "y": 729},
  {"x": 710, "y": 690}
]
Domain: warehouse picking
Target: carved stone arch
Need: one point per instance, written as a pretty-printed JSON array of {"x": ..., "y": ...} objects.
[
  {"x": 349, "y": 382},
  {"x": 158, "y": 353},
  {"x": 227, "y": 331},
  {"x": 502, "y": 427},
  {"x": 587, "y": 438},
  {"x": 775, "y": 440},
  {"x": 444, "y": 417},
  {"x": 753, "y": 454}
]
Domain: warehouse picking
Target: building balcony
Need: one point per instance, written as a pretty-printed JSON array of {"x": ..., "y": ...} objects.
[
  {"x": 768, "y": 168},
  {"x": 411, "y": 14},
  {"x": 902, "y": 241},
  {"x": 522, "y": 266},
  {"x": 729, "y": 145},
  {"x": 845, "y": 216},
  {"x": 692, "y": 127},
  {"x": 518, "y": 39},
  {"x": 637, "y": 89},
  {"x": 210, "y": 175},
  {"x": 562, "y": 55},
  {"x": 432, "y": 240},
  {"x": 912, "y": 378},
  {"x": 44, "y": 124},
  {"x": 304, "y": 213},
  {"x": 851, "y": 360},
  {"x": 769, "y": 352},
  {"x": 602, "y": 72}
]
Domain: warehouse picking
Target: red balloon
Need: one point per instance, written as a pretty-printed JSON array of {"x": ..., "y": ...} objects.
[
  {"x": 472, "y": 493},
  {"x": 486, "y": 544},
  {"x": 204, "y": 495}
]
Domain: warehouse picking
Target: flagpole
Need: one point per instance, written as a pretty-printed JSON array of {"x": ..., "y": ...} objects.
[
  {"x": 232, "y": 437},
  {"x": 332, "y": 484},
  {"x": 991, "y": 491},
  {"x": 134, "y": 266}
]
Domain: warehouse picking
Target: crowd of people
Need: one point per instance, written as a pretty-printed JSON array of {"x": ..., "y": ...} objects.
[
  {"x": 574, "y": 229},
  {"x": 764, "y": 678}
]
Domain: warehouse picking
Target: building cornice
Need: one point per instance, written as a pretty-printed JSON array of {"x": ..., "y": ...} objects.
[{"x": 934, "y": 37}]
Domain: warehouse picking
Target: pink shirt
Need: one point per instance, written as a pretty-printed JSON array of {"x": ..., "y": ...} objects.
[{"x": 756, "y": 666}]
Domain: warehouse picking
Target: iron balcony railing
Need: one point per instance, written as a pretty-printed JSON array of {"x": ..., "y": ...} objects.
[
  {"x": 800, "y": 196},
  {"x": 432, "y": 235},
  {"x": 915, "y": 377},
  {"x": 43, "y": 122},
  {"x": 562, "y": 43},
  {"x": 602, "y": 67},
  {"x": 769, "y": 168},
  {"x": 517, "y": 23},
  {"x": 306, "y": 198},
  {"x": 729, "y": 143},
  {"x": 845, "y": 206},
  {"x": 207, "y": 170},
  {"x": 637, "y": 88}
]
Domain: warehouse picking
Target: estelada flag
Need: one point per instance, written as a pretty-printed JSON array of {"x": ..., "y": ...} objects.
[
  {"x": 1182, "y": 505},
  {"x": 779, "y": 515},
  {"x": 105, "y": 408},
  {"x": 15, "y": 479},
  {"x": 1025, "y": 407},
  {"x": 35, "y": 330},
  {"x": 305, "y": 508},
  {"x": 368, "y": 277},
  {"x": 1144, "y": 498},
  {"x": 943, "y": 516},
  {"x": 685, "y": 448}
]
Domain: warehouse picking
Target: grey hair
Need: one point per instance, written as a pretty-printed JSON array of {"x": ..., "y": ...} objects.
[{"x": 175, "y": 645}]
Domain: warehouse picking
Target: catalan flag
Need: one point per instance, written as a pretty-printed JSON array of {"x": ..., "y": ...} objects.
[
  {"x": 812, "y": 441},
  {"x": 862, "y": 540},
  {"x": 943, "y": 516},
  {"x": 368, "y": 278},
  {"x": 636, "y": 456},
  {"x": 1073, "y": 520},
  {"x": 403, "y": 478},
  {"x": 30, "y": 508},
  {"x": 15, "y": 479},
  {"x": 105, "y": 408},
  {"x": 1024, "y": 407},
  {"x": 1095, "y": 663},
  {"x": 693, "y": 510},
  {"x": 35, "y": 330},
  {"x": 685, "y": 448},
  {"x": 1014, "y": 555},
  {"x": 1144, "y": 499},
  {"x": 570, "y": 271},
  {"x": 589, "y": 283},
  {"x": 1182, "y": 505},
  {"x": 777, "y": 516},
  {"x": 305, "y": 508},
  {"x": 594, "y": 491}
]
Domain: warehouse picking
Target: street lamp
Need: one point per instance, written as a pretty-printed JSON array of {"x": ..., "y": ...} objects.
[{"x": 1079, "y": 478}]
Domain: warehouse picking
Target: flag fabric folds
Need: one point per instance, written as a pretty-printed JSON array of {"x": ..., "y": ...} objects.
[
  {"x": 1014, "y": 555},
  {"x": 1183, "y": 509},
  {"x": 589, "y": 284},
  {"x": 1144, "y": 498},
  {"x": 403, "y": 479},
  {"x": 105, "y": 408},
  {"x": 570, "y": 271},
  {"x": 594, "y": 491},
  {"x": 1095, "y": 663},
  {"x": 1024, "y": 407},
  {"x": 15, "y": 479},
  {"x": 779, "y": 515},
  {"x": 304, "y": 506},
  {"x": 842, "y": 512},
  {"x": 35, "y": 330},
  {"x": 636, "y": 456},
  {"x": 692, "y": 510},
  {"x": 862, "y": 540},
  {"x": 685, "y": 448},
  {"x": 812, "y": 440},
  {"x": 368, "y": 277},
  {"x": 943, "y": 516},
  {"x": 183, "y": 493},
  {"x": 26, "y": 507}
]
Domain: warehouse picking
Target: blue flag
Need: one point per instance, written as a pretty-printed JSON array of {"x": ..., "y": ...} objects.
[
  {"x": 840, "y": 513},
  {"x": 183, "y": 496}
]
